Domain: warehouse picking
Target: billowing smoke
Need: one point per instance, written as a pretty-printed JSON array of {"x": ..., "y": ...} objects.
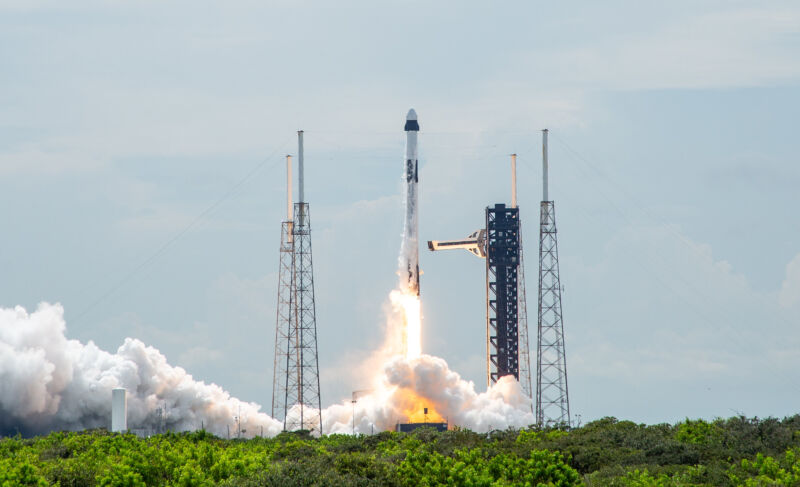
[
  {"x": 406, "y": 386},
  {"x": 48, "y": 382}
]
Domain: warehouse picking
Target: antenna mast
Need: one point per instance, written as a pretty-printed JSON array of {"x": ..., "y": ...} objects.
[{"x": 300, "y": 172}]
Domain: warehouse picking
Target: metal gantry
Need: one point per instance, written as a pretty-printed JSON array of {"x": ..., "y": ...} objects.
[
  {"x": 502, "y": 305},
  {"x": 552, "y": 396}
]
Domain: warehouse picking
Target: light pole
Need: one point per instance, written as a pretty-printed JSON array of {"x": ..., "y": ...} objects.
[{"x": 354, "y": 414}]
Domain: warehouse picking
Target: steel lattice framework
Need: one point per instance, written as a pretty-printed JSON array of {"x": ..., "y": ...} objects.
[
  {"x": 502, "y": 302},
  {"x": 285, "y": 323},
  {"x": 524, "y": 347},
  {"x": 552, "y": 398},
  {"x": 296, "y": 337}
]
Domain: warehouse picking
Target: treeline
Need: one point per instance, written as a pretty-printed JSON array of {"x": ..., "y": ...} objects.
[{"x": 607, "y": 452}]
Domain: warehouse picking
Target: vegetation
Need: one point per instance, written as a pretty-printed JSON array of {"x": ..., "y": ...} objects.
[{"x": 607, "y": 452}]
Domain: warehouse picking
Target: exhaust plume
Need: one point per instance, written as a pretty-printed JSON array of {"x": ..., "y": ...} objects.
[
  {"x": 405, "y": 386},
  {"x": 48, "y": 382}
]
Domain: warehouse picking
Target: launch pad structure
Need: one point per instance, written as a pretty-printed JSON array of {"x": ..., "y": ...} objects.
[
  {"x": 295, "y": 385},
  {"x": 500, "y": 243},
  {"x": 507, "y": 347}
]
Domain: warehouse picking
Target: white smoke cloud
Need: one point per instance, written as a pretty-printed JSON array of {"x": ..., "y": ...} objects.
[
  {"x": 49, "y": 382},
  {"x": 427, "y": 381}
]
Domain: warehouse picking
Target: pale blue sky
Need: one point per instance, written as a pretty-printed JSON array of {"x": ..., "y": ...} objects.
[{"x": 674, "y": 171}]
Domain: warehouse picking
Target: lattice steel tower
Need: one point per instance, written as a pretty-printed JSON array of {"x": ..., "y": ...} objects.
[
  {"x": 285, "y": 322},
  {"x": 552, "y": 397},
  {"x": 295, "y": 390}
]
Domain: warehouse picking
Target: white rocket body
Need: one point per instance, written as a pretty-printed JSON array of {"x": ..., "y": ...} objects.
[{"x": 409, "y": 255}]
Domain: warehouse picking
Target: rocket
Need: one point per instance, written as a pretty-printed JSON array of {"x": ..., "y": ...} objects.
[{"x": 409, "y": 254}]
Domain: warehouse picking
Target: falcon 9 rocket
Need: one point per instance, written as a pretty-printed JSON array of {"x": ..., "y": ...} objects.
[{"x": 409, "y": 255}]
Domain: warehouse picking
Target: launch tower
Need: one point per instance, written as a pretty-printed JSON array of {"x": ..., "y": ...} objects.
[
  {"x": 500, "y": 243},
  {"x": 295, "y": 390},
  {"x": 502, "y": 318},
  {"x": 552, "y": 398}
]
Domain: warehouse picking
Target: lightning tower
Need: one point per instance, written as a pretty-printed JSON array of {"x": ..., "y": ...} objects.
[
  {"x": 552, "y": 398},
  {"x": 295, "y": 391},
  {"x": 285, "y": 322}
]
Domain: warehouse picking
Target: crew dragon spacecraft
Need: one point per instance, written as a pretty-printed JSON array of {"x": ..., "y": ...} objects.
[{"x": 410, "y": 251}]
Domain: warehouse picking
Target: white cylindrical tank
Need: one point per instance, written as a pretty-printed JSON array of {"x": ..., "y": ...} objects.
[{"x": 119, "y": 410}]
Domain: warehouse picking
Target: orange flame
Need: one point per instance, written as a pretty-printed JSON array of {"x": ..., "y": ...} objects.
[
  {"x": 409, "y": 304},
  {"x": 413, "y": 408}
]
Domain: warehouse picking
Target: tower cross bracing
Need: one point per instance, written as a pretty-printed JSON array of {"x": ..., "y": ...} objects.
[{"x": 302, "y": 378}]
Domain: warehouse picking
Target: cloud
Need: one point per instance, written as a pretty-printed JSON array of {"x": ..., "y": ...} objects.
[
  {"x": 681, "y": 319},
  {"x": 43, "y": 161},
  {"x": 197, "y": 355},
  {"x": 169, "y": 92},
  {"x": 790, "y": 289},
  {"x": 728, "y": 47}
]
